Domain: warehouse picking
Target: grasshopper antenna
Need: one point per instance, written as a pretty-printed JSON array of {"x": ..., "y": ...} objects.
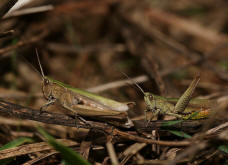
[
  {"x": 41, "y": 69},
  {"x": 133, "y": 82},
  {"x": 26, "y": 61}
]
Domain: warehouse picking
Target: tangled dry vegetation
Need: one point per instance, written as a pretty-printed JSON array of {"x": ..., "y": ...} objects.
[{"x": 161, "y": 45}]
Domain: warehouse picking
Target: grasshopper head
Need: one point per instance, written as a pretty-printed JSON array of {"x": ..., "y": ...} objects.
[
  {"x": 52, "y": 90},
  {"x": 150, "y": 101},
  {"x": 47, "y": 88},
  {"x": 148, "y": 97}
]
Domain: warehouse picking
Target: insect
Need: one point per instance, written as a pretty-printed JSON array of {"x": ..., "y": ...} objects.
[
  {"x": 81, "y": 102},
  {"x": 159, "y": 105}
]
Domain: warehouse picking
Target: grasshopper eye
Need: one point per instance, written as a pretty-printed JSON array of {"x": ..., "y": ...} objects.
[
  {"x": 46, "y": 81},
  {"x": 151, "y": 97},
  {"x": 51, "y": 97}
]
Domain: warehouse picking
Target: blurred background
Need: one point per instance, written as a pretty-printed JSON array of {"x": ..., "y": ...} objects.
[{"x": 162, "y": 45}]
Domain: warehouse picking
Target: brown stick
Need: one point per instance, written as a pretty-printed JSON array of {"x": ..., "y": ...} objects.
[
  {"x": 31, "y": 148},
  {"x": 14, "y": 110},
  {"x": 6, "y": 33},
  {"x": 23, "y": 43},
  {"x": 18, "y": 111},
  {"x": 190, "y": 27},
  {"x": 150, "y": 141}
]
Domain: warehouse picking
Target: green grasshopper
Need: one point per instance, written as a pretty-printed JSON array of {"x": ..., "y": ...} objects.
[
  {"x": 159, "y": 105},
  {"x": 83, "y": 103}
]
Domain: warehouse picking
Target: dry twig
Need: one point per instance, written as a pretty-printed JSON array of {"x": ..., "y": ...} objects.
[
  {"x": 18, "y": 111},
  {"x": 31, "y": 148}
]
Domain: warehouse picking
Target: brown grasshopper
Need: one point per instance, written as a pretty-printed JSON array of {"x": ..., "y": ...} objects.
[{"x": 83, "y": 103}]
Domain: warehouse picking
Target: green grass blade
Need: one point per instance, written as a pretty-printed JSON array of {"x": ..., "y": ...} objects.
[
  {"x": 69, "y": 156},
  {"x": 191, "y": 116},
  {"x": 16, "y": 143},
  {"x": 223, "y": 148},
  {"x": 12, "y": 144},
  {"x": 226, "y": 163},
  {"x": 180, "y": 134},
  {"x": 170, "y": 123}
]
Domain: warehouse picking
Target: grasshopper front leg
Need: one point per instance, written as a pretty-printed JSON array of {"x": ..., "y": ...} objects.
[
  {"x": 51, "y": 101},
  {"x": 155, "y": 113},
  {"x": 151, "y": 117}
]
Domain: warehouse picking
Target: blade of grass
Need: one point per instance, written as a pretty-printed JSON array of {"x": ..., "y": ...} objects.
[
  {"x": 14, "y": 143},
  {"x": 17, "y": 142},
  {"x": 170, "y": 123},
  {"x": 180, "y": 134},
  {"x": 69, "y": 156},
  {"x": 223, "y": 148},
  {"x": 192, "y": 116}
]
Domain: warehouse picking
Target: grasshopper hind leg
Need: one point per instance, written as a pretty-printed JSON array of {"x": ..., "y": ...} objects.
[
  {"x": 175, "y": 115},
  {"x": 80, "y": 118}
]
